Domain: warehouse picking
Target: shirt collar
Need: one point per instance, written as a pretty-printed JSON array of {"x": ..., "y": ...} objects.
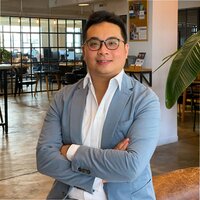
[{"x": 118, "y": 78}]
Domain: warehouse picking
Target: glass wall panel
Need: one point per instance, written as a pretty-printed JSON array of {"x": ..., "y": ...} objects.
[
  {"x": 70, "y": 40},
  {"x": 188, "y": 24},
  {"x": 16, "y": 39},
  {"x": 25, "y": 25},
  {"x": 70, "y": 25},
  {"x": 70, "y": 54},
  {"x": 1, "y": 39},
  {"x": 6, "y": 40},
  {"x": 192, "y": 21},
  {"x": 78, "y": 54},
  {"x": 15, "y": 24},
  {"x": 44, "y": 38},
  {"x": 26, "y": 51},
  {"x": 78, "y": 26},
  {"x": 61, "y": 40},
  {"x": 34, "y": 25},
  {"x": 53, "y": 25},
  {"x": 77, "y": 40},
  {"x": 37, "y": 54},
  {"x": 62, "y": 53},
  {"x": 4, "y": 24},
  {"x": 25, "y": 39},
  {"x": 55, "y": 56},
  {"x": 44, "y": 25},
  {"x": 35, "y": 40},
  {"x": 53, "y": 40},
  {"x": 61, "y": 26}
]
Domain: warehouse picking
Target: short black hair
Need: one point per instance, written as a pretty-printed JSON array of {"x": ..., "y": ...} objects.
[{"x": 105, "y": 16}]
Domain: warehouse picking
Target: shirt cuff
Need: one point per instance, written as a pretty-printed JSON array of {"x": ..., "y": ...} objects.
[
  {"x": 71, "y": 151},
  {"x": 98, "y": 184}
]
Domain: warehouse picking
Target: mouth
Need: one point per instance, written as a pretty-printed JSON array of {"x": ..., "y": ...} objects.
[{"x": 103, "y": 61}]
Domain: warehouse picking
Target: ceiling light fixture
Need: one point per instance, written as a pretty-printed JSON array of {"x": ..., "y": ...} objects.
[{"x": 83, "y": 4}]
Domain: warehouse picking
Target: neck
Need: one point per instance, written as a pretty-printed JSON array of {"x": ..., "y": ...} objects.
[{"x": 100, "y": 87}]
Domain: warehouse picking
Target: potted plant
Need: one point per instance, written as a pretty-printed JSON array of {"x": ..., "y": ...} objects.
[
  {"x": 5, "y": 55},
  {"x": 184, "y": 69}
]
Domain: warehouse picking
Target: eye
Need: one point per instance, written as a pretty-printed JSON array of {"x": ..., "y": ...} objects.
[
  {"x": 112, "y": 42},
  {"x": 93, "y": 43}
]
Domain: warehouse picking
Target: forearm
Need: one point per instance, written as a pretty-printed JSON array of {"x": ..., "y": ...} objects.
[
  {"x": 122, "y": 145},
  {"x": 110, "y": 164},
  {"x": 51, "y": 163},
  {"x": 68, "y": 151}
]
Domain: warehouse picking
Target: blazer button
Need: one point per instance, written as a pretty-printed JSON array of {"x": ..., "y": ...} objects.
[
  {"x": 85, "y": 171},
  {"x": 79, "y": 169}
]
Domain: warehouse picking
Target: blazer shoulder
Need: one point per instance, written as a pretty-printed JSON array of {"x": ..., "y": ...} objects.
[
  {"x": 132, "y": 84},
  {"x": 70, "y": 89}
]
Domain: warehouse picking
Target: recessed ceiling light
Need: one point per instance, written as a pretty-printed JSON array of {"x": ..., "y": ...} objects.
[{"x": 83, "y": 4}]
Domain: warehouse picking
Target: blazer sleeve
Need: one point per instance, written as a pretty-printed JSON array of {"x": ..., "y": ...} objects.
[
  {"x": 49, "y": 160},
  {"x": 143, "y": 131}
]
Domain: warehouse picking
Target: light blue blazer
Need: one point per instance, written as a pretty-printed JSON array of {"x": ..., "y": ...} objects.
[{"x": 134, "y": 112}]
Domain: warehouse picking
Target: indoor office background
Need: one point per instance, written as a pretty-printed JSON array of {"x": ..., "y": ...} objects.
[{"x": 47, "y": 34}]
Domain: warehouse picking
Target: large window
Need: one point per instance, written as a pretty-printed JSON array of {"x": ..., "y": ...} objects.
[
  {"x": 47, "y": 44},
  {"x": 188, "y": 24},
  {"x": 33, "y": 36}
]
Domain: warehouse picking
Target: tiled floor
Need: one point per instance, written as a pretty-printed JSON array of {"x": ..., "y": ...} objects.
[{"x": 19, "y": 178}]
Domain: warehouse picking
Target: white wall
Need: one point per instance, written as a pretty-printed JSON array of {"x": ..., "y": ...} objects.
[{"x": 164, "y": 42}]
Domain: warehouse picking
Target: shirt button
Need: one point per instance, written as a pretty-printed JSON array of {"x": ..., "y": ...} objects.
[{"x": 79, "y": 169}]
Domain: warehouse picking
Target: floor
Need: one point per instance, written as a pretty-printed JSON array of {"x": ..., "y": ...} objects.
[{"x": 19, "y": 178}]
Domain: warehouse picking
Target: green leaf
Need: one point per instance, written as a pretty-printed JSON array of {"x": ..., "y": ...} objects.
[
  {"x": 183, "y": 70},
  {"x": 5, "y": 55}
]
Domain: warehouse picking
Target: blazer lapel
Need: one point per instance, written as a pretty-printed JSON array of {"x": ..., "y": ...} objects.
[
  {"x": 76, "y": 115},
  {"x": 114, "y": 113}
]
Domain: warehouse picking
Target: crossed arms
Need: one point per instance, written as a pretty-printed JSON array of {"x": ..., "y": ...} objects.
[{"x": 130, "y": 155}]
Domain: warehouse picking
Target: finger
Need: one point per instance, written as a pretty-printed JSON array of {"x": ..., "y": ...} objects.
[
  {"x": 123, "y": 144},
  {"x": 124, "y": 147}
]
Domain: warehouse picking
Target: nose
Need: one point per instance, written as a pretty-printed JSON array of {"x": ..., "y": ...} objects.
[{"x": 103, "y": 49}]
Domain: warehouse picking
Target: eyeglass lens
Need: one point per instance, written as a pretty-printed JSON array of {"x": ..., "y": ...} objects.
[{"x": 111, "y": 44}]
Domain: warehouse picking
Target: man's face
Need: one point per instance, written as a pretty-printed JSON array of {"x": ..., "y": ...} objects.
[{"x": 105, "y": 63}]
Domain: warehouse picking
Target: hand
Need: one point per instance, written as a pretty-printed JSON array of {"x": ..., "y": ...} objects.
[
  {"x": 122, "y": 145},
  {"x": 64, "y": 149}
]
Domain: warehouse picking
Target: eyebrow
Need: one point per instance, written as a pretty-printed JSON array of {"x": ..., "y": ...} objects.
[{"x": 111, "y": 37}]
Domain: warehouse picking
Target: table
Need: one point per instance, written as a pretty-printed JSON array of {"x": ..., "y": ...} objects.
[
  {"x": 4, "y": 68},
  {"x": 132, "y": 70},
  {"x": 70, "y": 64}
]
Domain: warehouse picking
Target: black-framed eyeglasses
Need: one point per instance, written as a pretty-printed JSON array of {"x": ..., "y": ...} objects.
[{"x": 94, "y": 44}]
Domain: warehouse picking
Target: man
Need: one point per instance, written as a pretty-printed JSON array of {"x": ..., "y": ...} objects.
[{"x": 99, "y": 134}]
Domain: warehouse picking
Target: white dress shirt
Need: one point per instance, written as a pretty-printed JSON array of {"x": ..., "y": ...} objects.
[{"x": 93, "y": 121}]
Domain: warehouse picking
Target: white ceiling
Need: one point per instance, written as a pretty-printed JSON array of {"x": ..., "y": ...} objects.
[
  {"x": 49, "y": 8},
  {"x": 59, "y": 3}
]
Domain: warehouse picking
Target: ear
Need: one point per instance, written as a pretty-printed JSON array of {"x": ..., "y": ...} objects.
[
  {"x": 126, "y": 46},
  {"x": 83, "y": 52}
]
